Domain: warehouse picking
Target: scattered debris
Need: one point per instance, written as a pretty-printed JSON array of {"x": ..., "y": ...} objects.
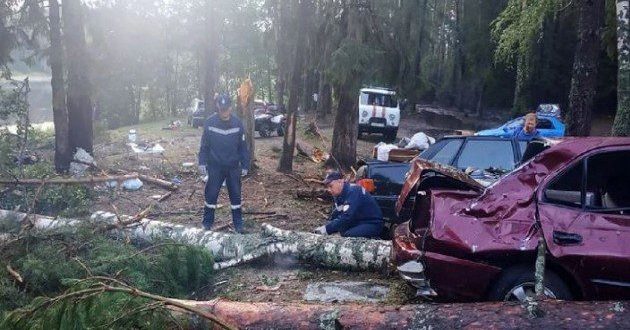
[
  {"x": 132, "y": 137},
  {"x": 268, "y": 288},
  {"x": 188, "y": 164},
  {"x": 140, "y": 149},
  {"x": 174, "y": 125},
  {"x": 345, "y": 292},
  {"x": 159, "y": 182},
  {"x": 313, "y": 193},
  {"x": 82, "y": 160},
  {"x": 313, "y": 153},
  {"x": 420, "y": 141},
  {"x": 132, "y": 184},
  {"x": 312, "y": 129}
]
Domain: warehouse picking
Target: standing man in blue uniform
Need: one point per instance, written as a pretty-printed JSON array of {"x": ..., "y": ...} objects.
[
  {"x": 223, "y": 156},
  {"x": 355, "y": 214}
]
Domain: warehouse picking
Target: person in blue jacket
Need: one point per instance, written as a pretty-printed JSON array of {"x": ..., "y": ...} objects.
[
  {"x": 355, "y": 213},
  {"x": 528, "y": 131},
  {"x": 223, "y": 156}
]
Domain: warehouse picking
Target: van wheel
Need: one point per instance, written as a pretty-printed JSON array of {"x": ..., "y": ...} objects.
[
  {"x": 280, "y": 130},
  {"x": 518, "y": 283}
]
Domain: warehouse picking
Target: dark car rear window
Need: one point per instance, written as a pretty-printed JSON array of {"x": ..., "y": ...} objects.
[
  {"x": 444, "y": 151},
  {"x": 484, "y": 154}
]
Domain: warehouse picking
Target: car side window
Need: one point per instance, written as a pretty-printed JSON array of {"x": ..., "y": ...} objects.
[
  {"x": 566, "y": 189},
  {"x": 484, "y": 154},
  {"x": 608, "y": 180},
  {"x": 448, "y": 152}
]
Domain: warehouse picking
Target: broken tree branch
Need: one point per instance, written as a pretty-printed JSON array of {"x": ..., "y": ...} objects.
[
  {"x": 85, "y": 180},
  {"x": 159, "y": 182}
]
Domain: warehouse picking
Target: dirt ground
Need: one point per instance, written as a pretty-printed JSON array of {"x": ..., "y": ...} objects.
[{"x": 268, "y": 197}]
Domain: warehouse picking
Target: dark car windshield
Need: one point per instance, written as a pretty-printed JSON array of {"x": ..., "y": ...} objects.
[
  {"x": 382, "y": 100},
  {"x": 485, "y": 154}
]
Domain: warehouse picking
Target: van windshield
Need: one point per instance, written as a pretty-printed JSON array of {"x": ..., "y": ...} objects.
[{"x": 381, "y": 100}]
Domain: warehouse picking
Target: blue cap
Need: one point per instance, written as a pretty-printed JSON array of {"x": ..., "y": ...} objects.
[
  {"x": 223, "y": 102},
  {"x": 332, "y": 176}
]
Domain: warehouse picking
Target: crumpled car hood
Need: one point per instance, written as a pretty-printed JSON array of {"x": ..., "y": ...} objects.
[{"x": 420, "y": 166}]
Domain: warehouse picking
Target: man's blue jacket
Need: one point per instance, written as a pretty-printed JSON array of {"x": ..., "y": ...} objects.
[
  {"x": 223, "y": 143},
  {"x": 354, "y": 206}
]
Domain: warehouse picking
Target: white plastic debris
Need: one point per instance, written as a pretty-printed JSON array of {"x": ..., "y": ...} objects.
[
  {"x": 81, "y": 162},
  {"x": 420, "y": 141},
  {"x": 132, "y": 184},
  {"x": 154, "y": 149},
  {"x": 133, "y": 136},
  {"x": 188, "y": 164},
  {"x": 382, "y": 151},
  {"x": 111, "y": 184}
]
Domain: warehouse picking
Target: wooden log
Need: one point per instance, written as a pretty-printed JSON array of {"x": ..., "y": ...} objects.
[
  {"x": 84, "y": 180},
  {"x": 313, "y": 193},
  {"x": 491, "y": 315},
  {"x": 159, "y": 182}
]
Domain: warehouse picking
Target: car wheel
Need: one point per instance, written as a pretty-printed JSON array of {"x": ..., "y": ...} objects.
[
  {"x": 280, "y": 130},
  {"x": 518, "y": 283}
]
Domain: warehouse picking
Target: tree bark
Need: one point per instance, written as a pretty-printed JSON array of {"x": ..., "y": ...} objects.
[
  {"x": 417, "y": 60},
  {"x": 621, "y": 127},
  {"x": 63, "y": 153},
  {"x": 288, "y": 144},
  {"x": 209, "y": 56},
  {"x": 230, "y": 249},
  {"x": 490, "y": 315},
  {"x": 246, "y": 94},
  {"x": 344, "y": 141},
  {"x": 584, "y": 79},
  {"x": 324, "y": 99},
  {"x": 78, "y": 99}
]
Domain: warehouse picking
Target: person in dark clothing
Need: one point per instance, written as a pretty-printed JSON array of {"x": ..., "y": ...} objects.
[
  {"x": 223, "y": 156},
  {"x": 528, "y": 131},
  {"x": 355, "y": 213}
]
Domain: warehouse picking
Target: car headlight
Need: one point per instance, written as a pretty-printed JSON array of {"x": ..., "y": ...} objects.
[
  {"x": 364, "y": 113},
  {"x": 392, "y": 117}
]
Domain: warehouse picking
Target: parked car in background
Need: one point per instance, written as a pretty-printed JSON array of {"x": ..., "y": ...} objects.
[
  {"x": 549, "y": 124},
  {"x": 485, "y": 157},
  {"x": 197, "y": 113},
  {"x": 464, "y": 241},
  {"x": 379, "y": 112},
  {"x": 269, "y": 119}
]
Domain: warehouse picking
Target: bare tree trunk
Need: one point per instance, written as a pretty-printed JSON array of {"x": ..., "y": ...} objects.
[
  {"x": 79, "y": 103},
  {"x": 621, "y": 126},
  {"x": 418, "y": 56},
  {"x": 485, "y": 315},
  {"x": 288, "y": 144},
  {"x": 324, "y": 100},
  {"x": 344, "y": 142},
  {"x": 584, "y": 79},
  {"x": 209, "y": 55},
  {"x": 246, "y": 94},
  {"x": 227, "y": 249},
  {"x": 63, "y": 153}
]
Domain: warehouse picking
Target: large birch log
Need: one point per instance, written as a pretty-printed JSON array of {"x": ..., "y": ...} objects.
[
  {"x": 493, "y": 315},
  {"x": 85, "y": 180},
  {"x": 232, "y": 249}
]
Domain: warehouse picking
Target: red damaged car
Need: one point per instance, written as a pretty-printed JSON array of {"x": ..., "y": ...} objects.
[{"x": 466, "y": 242}]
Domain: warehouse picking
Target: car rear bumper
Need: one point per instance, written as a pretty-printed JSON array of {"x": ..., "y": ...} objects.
[{"x": 376, "y": 128}]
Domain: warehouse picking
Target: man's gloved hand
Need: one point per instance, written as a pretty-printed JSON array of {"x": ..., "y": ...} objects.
[
  {"x": 243, "y": 172},
  {"x": 202, "y": 170},
  {"x": 321, "y": 230}
]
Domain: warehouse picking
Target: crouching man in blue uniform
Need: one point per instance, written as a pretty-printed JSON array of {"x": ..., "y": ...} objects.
[
  {"x": 355, "y": 213},
  {"x": 223, "y": 156}
]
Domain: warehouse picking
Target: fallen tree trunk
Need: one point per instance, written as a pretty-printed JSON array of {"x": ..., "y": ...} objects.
[
  {"x": 495, "y": 315},
  {"x": 85, "y": 180},
  {"x": 313, "y": 193},
  {"x": 231, "y": 249}
]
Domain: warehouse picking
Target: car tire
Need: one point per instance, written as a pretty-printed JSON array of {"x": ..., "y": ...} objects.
[
  {"x": 263, "y": 131},
  {"x": 280, "y": 130},
  {"x": 518, "y": 282}
]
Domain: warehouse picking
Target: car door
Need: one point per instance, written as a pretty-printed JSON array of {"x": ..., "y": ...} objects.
[{"x": 584, "y": 212}]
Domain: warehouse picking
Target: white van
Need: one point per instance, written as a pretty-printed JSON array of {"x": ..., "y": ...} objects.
[{"x": 379, "y": 112}]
